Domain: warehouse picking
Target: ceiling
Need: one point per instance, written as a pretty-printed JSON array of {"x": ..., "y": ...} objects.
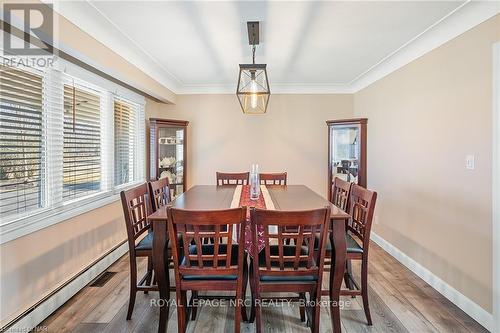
[{"x": 197, "y": 46}]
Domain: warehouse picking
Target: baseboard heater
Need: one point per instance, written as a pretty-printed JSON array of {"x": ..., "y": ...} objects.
[{"x": 39, "y": 311}]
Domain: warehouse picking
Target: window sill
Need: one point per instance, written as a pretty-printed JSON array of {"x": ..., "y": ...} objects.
[{"x": 43, "y": 219}]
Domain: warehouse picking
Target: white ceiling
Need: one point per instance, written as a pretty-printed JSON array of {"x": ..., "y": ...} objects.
[{"x": 197, "y": 46}]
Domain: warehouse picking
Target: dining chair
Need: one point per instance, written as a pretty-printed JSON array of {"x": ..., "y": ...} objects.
[
  {"x": 273, "y": 178},
  {"x": 340, "y": 198},
  {"x": 220, "y": 266},
  {"x": 360, "y": 206},
  {"x": 239, "y": 178},
  {"x": 159, "y": 192},
  {"x": 136, "y": 207},
  {"x": 294, "y": 268},
  {"x": 340, "y": 193}
]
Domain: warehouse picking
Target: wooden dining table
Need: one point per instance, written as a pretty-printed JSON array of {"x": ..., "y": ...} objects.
[{"x": 286, "y": 198}]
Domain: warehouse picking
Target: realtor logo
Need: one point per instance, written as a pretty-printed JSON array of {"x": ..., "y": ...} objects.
[{"x": 38, "y": 25}]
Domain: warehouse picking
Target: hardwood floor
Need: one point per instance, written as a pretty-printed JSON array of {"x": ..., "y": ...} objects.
[{"x": 399, "y": 302}]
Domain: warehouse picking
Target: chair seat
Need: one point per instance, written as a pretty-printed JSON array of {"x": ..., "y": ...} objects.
[
  {"x": 209, "y": 277},
  {"x": 351, "y": 244},
  {"x": 271, "y": 278},
  {"x": 208, "y": 249},
  {"x": 146, "y": 243}
]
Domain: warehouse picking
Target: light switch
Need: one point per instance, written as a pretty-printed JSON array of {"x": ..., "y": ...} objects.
[{"x": 469, "y": 162}]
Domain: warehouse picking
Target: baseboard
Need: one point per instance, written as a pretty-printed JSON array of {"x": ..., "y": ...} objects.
[
  {"x": 480, "y": 315},
  {"x": 35, "y": 315}
]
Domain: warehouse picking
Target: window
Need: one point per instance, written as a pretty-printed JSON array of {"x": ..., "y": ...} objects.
[
  {"x": 21, "y": 144},
  {"x": 125, "y": 145},
  {"x": 82, "y": 143},
  {"x": 69, "y": 141}
]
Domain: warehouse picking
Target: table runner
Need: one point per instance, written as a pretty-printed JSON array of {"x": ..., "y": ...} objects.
[{"x": 241, "y": 197}]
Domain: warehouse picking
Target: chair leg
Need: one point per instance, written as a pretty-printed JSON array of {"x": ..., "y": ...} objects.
[
  {"x": 252, "y": 294},
  {"x": 364, "y": 290},
  {"x": 244, "y": 315},
  {"x": 238, "y": 310},
  {"x": 181, "y": 311},
  {"x": 194, "y": 309},
  {"x": 348, "y": 275},
  {"x": 334, "y": 304},
  {"x": 149, "y": 273},
  {"x": 258, "y": 314},
  {"x": 302, "y": 307},
  {"x": 133, "y": 286},
  {"x": 164, "y": 306},
  {"x": 316, "y": 297}
]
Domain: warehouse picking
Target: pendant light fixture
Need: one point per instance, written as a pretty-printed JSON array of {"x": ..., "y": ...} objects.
[{"x": 253, "y": 86}]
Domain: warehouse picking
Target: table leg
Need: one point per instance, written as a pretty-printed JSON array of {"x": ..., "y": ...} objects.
[
  {"x": 160, "y": 266},
  {"x": 337, "y": 239}
]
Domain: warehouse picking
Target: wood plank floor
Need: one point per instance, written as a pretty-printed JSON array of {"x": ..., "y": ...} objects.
[{"x": 399, "y": 301}]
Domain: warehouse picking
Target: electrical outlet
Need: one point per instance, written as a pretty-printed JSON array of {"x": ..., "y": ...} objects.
[
  {"x": 469, "y": 162},
  {"x": 375, "y": 219}
]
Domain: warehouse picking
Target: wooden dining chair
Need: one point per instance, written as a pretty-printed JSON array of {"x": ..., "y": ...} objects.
[
  {"x": 360, "y": 206},
  {"x": 136, "y": 207},
  {"x": 293, "y": 268},
  {"x": 273, "y": 178},
  {"x": 340, "y": 198},
  {"x": 159, "y": 192},
  {"x": 340, "y": 193},
  {"x": 239, "y": 178},
  {"x": 220, "y": 266}
]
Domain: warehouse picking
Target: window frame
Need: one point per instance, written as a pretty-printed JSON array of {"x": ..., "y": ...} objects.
[{"x": 58, "y": 210}]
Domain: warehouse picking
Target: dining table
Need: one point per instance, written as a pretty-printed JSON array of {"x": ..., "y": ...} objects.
[{"x": 284, "y": 198}]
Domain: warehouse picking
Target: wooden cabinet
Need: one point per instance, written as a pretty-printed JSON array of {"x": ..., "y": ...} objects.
[
  {"x": 347, "y": 151},
  {"x": 168, "y": 152}
]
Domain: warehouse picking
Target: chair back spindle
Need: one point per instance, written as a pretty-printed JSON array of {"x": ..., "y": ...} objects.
[
  {"x": 188, "y": 231},
  {"x": 273, "y": 178},
  {"x": 281, "y": 258},
  {"x": 136, "y": 208},
  {"x": 340, "y": 193},
  {"x": 361, "y": 208},
  {"x": 240, "y": 178}
]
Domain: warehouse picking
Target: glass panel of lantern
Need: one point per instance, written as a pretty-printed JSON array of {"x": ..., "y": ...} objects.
[{"x": 253, "y": 89}]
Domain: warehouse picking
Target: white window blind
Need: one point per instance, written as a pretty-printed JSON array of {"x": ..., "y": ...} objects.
[
  {"x": 21, "y": 141},
  {"x": 129, "y": 135},
  {"x": 82, "y": 142},
  {"x": 69, "y": 141}
]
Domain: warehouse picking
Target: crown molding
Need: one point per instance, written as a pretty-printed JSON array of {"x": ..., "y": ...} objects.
[
  {"x": 118, "y": 41},
  {"x": 276, "y": 88},
  {"x": 462, "y": 19}
]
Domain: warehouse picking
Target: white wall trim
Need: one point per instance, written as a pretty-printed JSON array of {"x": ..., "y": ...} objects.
[
  {"x": 482, "y": 316},
  {"x": 496, "y": 187},
  {"x": 42, "y": 311},
  {"x": 276, "y": 88}
]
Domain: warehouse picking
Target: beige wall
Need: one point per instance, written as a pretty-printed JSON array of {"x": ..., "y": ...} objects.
[
  {"x": 34, "y": 265},
  {"x": 291, "y": 137},
  {"x": 423, "y": 120}
]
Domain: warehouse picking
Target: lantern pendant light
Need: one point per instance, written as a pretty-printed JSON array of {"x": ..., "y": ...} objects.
[{"x": 253, "y": 86}]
